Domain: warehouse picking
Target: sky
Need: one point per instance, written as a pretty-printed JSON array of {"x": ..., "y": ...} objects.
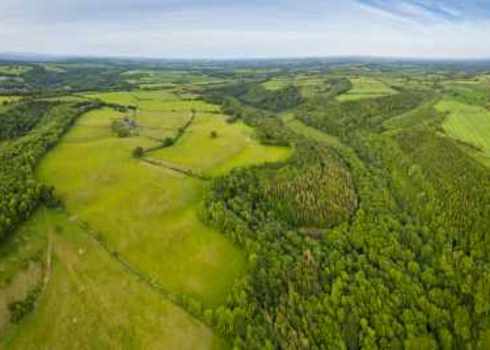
[{"x": 247, "y": 28}]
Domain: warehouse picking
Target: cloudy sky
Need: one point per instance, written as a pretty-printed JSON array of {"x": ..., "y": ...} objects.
[{"x": 247, "y": 28}]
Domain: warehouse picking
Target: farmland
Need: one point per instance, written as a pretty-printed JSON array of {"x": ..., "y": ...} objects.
[
  {"x": 470, "y": 124},
  {"x": 366, "y": 88},
  {"x": 244, "y": 205}
]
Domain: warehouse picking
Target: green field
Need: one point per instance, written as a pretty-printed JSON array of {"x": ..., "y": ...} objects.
[
  {"x": 470, "y": 124},
  {"x": 148, "y": 213},
  {"x": 365, "y": 87},
  {"x": 154, "y": 79},
  {"x": 14, "y": 69},
  {"x": 90, "y": 301},
  {"x": 8, "y": 99},
  {"x": 233, "y": 147}
]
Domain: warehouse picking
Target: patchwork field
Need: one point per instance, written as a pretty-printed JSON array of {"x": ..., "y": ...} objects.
[
  {"x": 150, "y": 79},
  {"x": 365, "y": 87},
  {"x": 90, "y": 301},
  {"x": 470, "y": 124}
]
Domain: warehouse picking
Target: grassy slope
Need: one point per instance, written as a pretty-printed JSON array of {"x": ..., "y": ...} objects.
[
  {"x": 235, "y": 146},
  {"x": 8, "y": 99},
  {"x": 470, "y": 124},
  {"x": 91, "y": 302},
  {"x": 366, "y": 88},
  {"x": 14, "y": 69}
]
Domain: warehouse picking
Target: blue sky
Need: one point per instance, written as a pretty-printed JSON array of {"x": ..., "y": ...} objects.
[{"x": 247, "y": 28}]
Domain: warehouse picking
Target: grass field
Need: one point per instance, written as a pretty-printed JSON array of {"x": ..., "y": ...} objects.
[
  {"x": 14, "y": 70},
  {"x": 167, "y": 78},
  {"x": 470, "y": 124},
  {"x": 233, "y": 147},
  {"x": 8, "y": 99},
  {"x": 365, "y": 87},
  {"x": 148, "y": 213},
  {"x": 91, "y": 302}
]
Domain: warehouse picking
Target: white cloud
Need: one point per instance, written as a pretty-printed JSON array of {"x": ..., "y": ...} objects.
[{"x": 285, "y": 28}]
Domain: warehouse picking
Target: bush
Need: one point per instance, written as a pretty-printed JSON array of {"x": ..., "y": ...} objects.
[{"x": 138, "y": 152}]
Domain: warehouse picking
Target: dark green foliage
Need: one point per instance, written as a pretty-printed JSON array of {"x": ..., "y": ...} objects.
[
  {"x": 338, "y": 86},
  {"x": 273, "y": 100},
  {"x": 76, "y": 78},
  {"x": 138, "y": 152},
  {"x": 255, "y": 95},
  {"x": 20, "y": 309},
  {"x": 48, "y": 197},
  {"x": 320, "y": 195},
  {"x": 409, "y": 270},
  {"x": 21, "y": 118},
  {"x": 269, "y": 128},
  {"x": 124, "y": 127},
  {"x": 343, "y": 118}
]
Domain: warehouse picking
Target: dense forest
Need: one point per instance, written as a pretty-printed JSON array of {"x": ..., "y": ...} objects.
[{"x": 408, "y": 270}]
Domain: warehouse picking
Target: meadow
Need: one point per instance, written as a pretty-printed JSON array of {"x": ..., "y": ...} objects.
[
  {"x": 14, "y": 70},
  {"x": 366, "y": 87},
  {"x": 470, "y": 124},
  {"x": 8, "y": 99},
  {"x": 148, "y": 213},
  {"x": 90, "y": 301}
]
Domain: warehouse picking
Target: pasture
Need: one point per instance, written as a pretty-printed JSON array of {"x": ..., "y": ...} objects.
[
  {"x": 148, "y": 213},
  {"x": 366, "y": 87},
  {"x": 8, "y": 99},
  {"x": 467, "y": 123},
  {"x": 14, "y": 70},
  {"x": 90, "y": 301},
  {"x": 233, "y": 146}
]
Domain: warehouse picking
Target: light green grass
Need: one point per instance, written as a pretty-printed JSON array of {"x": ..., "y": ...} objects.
[
  {"x": 277, "y": 83},
  {"x": 366, "y": 87},
  {"x": 234, "y": 147},
  {"x": 53, "y": 68},
  {"x": 143, "y": 211},
  {"x": 468, "y": 123},
  {"x": 8, "y": 99},
  {"x": 157, "y": 78},
  {"x": 17, "y": 251},
  {"x": 309, "y": 132},
  {"x": 159, "y": 113},
  {"x": 92, "y": 302},
  {"x": 14, "y": 69},
  {"x": 309, "y": 85},
  {"x": 148, "y": 213}
]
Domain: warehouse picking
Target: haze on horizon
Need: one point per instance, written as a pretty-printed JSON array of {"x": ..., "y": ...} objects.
[{"x": 247, "y": 28}]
